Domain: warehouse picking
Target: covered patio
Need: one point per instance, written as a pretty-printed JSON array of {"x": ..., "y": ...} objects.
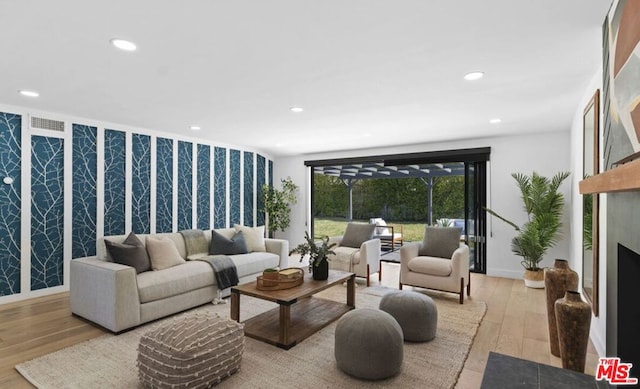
[{"x": 349, "y": 174}]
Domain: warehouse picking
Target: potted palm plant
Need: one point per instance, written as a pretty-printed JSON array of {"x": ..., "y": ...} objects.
[
  {"x": 544, "y": 206},
  {"x": 318, "y": 255}
]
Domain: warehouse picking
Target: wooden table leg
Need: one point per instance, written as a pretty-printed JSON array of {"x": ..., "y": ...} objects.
[
  {"x": 351, "y": 291},
  {"x": 285, "y": 324},
  {"x": 235, "y": 306}
]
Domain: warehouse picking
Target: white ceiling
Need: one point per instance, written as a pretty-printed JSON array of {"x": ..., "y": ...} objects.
[{"x": 368, "y": 73}]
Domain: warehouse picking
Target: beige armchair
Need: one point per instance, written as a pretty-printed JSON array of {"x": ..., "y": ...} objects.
[
  {"x": 427, "y": 266},
  {"x": 356, "y": 251}
]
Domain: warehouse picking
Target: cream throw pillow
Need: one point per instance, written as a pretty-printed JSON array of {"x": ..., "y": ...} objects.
[
  {"x": 253, "y": 236},
  {"x": 163, "y": 253}
]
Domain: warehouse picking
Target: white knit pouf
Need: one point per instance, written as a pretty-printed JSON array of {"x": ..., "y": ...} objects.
[{"x": 194, "y": 351}]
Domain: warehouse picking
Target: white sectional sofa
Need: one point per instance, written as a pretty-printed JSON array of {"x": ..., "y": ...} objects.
[{"x": 115, "y": 297}]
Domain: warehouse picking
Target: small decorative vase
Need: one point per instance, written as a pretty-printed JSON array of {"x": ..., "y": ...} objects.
[
  {"x": 557, "y": 280},
  {"x": 321, "y": 271},
  {"x": 534, "y": 279},
  {"x": 573, "y": 316}
]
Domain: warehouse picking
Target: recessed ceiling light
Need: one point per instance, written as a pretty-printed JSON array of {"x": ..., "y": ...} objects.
[
  {"x": 29, "y": 93},
  {"x": 495, "y": 121},
  {"x": 296, "y": 109},
  {"x": 195, "y": 128},
  {"x": 123, "y": 44},
  {"x": 473, "y": 76}
]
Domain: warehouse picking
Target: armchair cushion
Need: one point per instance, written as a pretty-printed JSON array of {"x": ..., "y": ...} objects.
[
  {"x": 440, "y": 242},
  {"x": 347, "y": 254},
  {"x": 430, "y": 265},
  {"x": 357, "y": 233}
]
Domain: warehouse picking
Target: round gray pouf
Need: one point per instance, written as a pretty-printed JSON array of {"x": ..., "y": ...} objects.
[
  {"x": 369, "y": 344},
  {"x": 415, "y": 312}
]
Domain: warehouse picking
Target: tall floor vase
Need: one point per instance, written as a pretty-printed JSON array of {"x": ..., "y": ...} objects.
[
  {"x": 558, "y": 279},
  {"x": 573, "y": 317}
]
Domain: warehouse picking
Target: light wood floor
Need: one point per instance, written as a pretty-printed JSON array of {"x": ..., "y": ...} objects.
[{"x": 515, "y": 324}]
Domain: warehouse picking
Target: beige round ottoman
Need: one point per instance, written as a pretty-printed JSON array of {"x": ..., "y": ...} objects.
[
  {"x": 192, "y": 351},
  {"x": 369, "y": 344},
  {"x": 415, "y": 312}
]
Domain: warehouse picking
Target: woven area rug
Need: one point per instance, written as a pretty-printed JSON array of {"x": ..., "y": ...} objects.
[{"x": 109, "y": 361}]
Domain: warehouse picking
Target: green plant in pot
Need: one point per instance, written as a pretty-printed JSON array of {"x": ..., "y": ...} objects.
[
  {"x": 318, "y": 255},
  {"x": 544, "y": 205},
  {"x": 276, "y": 204}
]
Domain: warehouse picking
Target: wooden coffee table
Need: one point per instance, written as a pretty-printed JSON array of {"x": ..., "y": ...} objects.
[{"x": 299, "y": 315}]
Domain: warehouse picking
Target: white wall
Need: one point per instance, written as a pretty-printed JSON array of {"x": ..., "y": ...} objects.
[
  {"x": 598, "y": 324},
  {"x": 545, "y": 153}
]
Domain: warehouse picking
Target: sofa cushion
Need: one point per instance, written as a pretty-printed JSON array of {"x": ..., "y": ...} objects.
[
  {"x": 131, "y": 252},
  {"x": 430, "y": 265},
  {"x": 221, "y": 245},
  {"x": 440, "y": 241},
  {"x": 252, "y": 263},
  {"x": 157, "y": 285},
  {"x": 357, "y": 233},
  {"x": 254, "y": 236},
  {"x": 162, "y": 253}
]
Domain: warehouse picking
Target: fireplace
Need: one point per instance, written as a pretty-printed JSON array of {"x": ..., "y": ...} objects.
[{"x": 629, "y": 307}]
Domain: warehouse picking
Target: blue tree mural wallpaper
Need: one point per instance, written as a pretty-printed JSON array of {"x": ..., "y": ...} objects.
[
  {"x": 164, "y": 185},
  {"x": 141, "y": 184},
  {"x": 10, "y": 203},
  {"x": 260, "y": 180},
  {"x": 104, "y": 186},
  {"x": 114, "y": 182},
  {"x": 220, "y": 188},
  {"x": 248, "y": 189},
  {"x": 203, "y": 205},
  {"x": 47, "y": 211},
  {"x": 234, "y": 187},
  {"x": 185, "y": 185},
  {"x": 85, "y": 164}
]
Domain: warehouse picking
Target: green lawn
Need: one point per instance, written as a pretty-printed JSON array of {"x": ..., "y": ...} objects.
[{"x": 334, "y": 227}]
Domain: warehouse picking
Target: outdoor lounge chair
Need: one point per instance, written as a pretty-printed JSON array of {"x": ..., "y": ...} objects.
[{"x": 389, "y": 235}]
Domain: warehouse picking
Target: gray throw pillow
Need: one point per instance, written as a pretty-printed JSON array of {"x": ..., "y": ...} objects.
[
  {"x": 357, "y": 233},
  {"x": 131, "y": 252},
  {"x": 440, "y": 242},
  {"x": 221, "y": 245}
]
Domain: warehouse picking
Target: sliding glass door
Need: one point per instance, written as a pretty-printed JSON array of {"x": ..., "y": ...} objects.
[
  {"x": 445, "y": 188},
  {"x": 475, "y": 215}
]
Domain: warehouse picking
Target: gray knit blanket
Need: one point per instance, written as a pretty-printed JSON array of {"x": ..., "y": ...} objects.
[{"x": 223, "y": 267}]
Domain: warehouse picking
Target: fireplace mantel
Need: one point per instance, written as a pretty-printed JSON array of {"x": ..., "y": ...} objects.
[{"x": 622, "y": 178}]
